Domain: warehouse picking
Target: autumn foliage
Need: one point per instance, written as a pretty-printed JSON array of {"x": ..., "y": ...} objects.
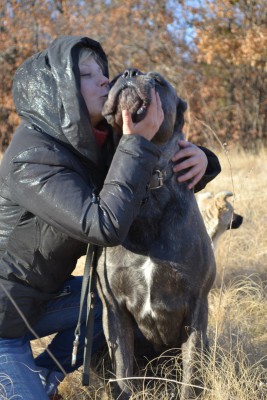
[{"x": 213, "y": 52}]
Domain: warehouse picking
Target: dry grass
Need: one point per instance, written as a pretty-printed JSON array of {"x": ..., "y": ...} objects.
[{"x": 236, "y": 368}]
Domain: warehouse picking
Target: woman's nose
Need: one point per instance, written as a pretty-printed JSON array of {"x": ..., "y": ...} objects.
[{"x": 104, "y": 81}]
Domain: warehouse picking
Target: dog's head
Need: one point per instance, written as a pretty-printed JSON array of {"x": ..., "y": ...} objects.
[
  {"x": 131, "y": 91},
  {"x": 218, "y": 213}
]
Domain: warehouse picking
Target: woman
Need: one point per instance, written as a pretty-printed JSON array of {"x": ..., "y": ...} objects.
[{"x": 65, "y": 184}]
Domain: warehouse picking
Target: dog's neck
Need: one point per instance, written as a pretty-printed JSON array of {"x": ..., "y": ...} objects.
[
  {"x": 163, "y": 171},
  {"x": 168, "y": 195}
]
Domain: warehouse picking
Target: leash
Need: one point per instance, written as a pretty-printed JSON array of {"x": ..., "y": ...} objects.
[{"x": 88, "y": 287}]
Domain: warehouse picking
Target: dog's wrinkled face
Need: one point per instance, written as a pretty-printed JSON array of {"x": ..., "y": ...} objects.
[{"x": 132, "y": 91}]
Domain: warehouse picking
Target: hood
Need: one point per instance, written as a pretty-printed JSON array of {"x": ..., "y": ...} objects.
[{"x": 46, "y": 92}]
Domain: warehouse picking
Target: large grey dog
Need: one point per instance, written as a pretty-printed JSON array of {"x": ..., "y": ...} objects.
[{"x": 160, "y": 277}]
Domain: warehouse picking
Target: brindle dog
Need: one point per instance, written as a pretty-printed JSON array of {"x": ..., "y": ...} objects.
[{"x": 160, "y": 277}]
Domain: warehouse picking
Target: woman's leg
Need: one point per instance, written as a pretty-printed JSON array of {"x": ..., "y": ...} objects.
[
  {"x": 23, "y": 376},
  {"x": 61, "y": 316},
  {"x": 19, "y": 376}
]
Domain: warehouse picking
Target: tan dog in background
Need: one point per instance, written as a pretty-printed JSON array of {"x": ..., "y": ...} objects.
[{"x": 218, "y": 214}]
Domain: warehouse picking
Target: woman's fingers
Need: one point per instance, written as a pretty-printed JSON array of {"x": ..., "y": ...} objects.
[{"x": 150, "y": 124}]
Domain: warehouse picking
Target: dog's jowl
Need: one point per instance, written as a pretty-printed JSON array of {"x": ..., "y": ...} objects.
[{"x": 160, "y": 277}]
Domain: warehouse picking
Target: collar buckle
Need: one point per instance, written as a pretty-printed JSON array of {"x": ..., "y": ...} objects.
[{"x": 157, "y": 180}]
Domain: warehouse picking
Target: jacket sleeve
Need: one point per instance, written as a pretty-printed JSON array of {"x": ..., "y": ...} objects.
[
  {"x": 213, "y": 169},
  {"x": 47, "y": 184}
]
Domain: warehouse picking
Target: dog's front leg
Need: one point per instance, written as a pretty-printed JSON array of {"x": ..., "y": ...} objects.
[
  {"x": 119, "y": 335},
  {"x": 194, "y": 350},
  {"x": 189, "y": 350}
]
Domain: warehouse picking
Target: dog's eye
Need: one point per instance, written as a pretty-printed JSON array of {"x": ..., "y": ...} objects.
[{"x": 159, "y": 82}]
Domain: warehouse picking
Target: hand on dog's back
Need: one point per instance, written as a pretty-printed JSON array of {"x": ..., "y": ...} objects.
[{"x": 151, "y": 123}]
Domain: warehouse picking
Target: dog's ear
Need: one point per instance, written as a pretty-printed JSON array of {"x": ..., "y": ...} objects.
[
  {"x": 221, "y": 198},
  {"x": 205, "y": 195},
  {"x": 180, "y": 110},
  {"x": 223, "y": 194}
]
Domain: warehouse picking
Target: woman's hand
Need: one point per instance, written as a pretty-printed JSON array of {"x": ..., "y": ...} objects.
[
  {"x": 195, "y": 160},
  {"x": 149, "y": 126}
]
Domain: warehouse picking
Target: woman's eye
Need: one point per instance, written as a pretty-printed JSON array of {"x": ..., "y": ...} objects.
[{"x": 88, "y": 75}]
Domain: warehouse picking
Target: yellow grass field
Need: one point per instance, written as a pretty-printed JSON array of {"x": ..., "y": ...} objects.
[{"x": 238, "y": 309}]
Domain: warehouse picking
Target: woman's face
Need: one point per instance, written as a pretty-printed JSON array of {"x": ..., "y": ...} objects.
[{"x": 94, "y": 88}]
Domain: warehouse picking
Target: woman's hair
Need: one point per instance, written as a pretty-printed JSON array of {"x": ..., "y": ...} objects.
[{"x": 86, "y": 52}]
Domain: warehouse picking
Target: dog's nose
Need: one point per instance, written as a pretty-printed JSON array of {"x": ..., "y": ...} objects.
[{"x": 131, "y": 72}]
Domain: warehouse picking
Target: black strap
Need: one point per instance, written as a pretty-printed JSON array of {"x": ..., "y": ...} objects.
[
  {"x": 89, "y": 333},
  {"x": 88, "y": 286}
]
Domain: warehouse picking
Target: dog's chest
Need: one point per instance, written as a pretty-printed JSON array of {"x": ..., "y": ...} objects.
[
  {"x": 159, "y": 304},
  {"x": 147, "y": 272},
  {"x": 152, "y": 291}
]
